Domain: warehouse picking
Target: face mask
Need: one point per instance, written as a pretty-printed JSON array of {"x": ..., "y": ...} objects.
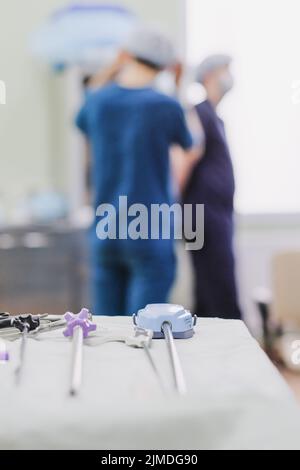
[{"x": 226, "y": 84}]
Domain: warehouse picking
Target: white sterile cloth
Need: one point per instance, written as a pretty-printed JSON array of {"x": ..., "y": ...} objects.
[{"x": 236, "y": 398}]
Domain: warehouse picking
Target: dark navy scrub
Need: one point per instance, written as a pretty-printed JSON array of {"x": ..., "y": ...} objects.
[
  {"x": 212, "y": 183},
  {"x": 130, "y": 132}
]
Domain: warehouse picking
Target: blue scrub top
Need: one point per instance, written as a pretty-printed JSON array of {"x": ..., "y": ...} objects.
[{"x": 130, "y": 132}]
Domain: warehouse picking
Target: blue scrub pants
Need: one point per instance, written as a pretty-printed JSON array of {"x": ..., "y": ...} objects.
[
  {"x": 214, "y": 267},
  {"x": 124, "y": 283}
]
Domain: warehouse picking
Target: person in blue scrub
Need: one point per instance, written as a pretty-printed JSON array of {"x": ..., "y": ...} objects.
[
  {"x": 212, "y": 183},
  {"x": 130, "y": 128}
]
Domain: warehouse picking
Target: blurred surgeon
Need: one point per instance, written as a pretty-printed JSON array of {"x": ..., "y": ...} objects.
[
  {"x": 212, "y": 183},
  {"x": 130, "y": 127}
]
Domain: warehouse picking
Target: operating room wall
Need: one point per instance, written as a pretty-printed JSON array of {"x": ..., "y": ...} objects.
[
  {"x": 26, "y": 145},
  {"x": 34, "y": 122},
  {"x": 258, "y": 239}
]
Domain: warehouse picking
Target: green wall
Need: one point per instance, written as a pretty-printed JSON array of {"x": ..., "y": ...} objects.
[{"x": 33, "y": 123}]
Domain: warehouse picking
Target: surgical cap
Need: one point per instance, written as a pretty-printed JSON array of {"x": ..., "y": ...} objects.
[
  {"x": 210, "y": 64},
  {"x": 152, "y": 46}
]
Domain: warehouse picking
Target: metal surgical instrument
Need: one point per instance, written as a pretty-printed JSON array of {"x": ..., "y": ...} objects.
[
  {"x": 169, "y": 322},
  {"x": 25, "y": 324},
  {"x": 78, "y": 328}
]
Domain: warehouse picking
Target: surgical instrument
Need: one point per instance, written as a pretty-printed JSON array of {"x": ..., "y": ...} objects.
[
  {"x": 169, "y": 322},
  {"x": 9, "y": 331},
  {"x": 78, "y": 328},
  {"x": 141, "y": 339},
  {"x": 49, "y": 325},
  {"x": 25, "y": 323},
  {"x": 6, "y": 320},
  {"x": 4, "y": 316},
  {"x": 147, "y": 336},
  {"x": 10, "y": 321}
]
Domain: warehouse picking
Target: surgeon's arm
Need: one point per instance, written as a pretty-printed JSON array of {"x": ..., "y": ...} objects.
[
  {"x": 183, "y": 161},
  {"x": 108, "y": 74}
]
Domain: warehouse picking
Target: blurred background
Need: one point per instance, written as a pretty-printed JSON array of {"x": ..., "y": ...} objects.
[{"x": 44, "y": 183}]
